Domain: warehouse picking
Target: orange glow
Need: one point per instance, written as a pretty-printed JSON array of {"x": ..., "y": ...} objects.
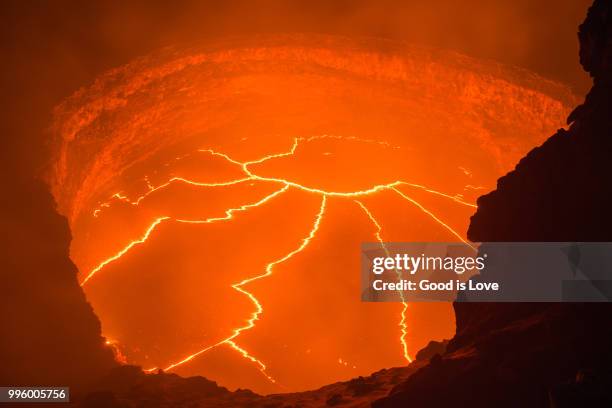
[
  {"x": 402, "y": 324},
  {"x": 218, "y": 197},
  {"x": 268, "y": 270},
  {"x": 425, "y": 210},
  {"x": 125, "y": 250},
  {"x": 259, "y": 308}
]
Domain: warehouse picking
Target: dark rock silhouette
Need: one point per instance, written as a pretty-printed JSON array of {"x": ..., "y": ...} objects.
[
  {"x": 49, "y": 336},
  {"x": 128, "y": 386},
  {"x": 432, "y": 349},
  {"x": 539, "y": 355}
]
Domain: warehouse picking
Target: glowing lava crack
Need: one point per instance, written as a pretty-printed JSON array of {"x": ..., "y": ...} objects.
[{"x": 229, "y": 215}]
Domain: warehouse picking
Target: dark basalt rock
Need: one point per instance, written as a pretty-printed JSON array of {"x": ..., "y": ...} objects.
[
  {"x": 537, "y": 355},
  {"x": 51, "y": 336},
  {"x": 433, "y": 348}
]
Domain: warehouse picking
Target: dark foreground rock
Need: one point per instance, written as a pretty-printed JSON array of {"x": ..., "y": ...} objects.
[
  {"x": 539, "y": 355},
  {"x": 129, "y": 387},
  {"x": 50, "y": 337}
]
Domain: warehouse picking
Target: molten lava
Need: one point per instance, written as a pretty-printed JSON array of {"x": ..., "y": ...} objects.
[{"x": 218, "y": 197}]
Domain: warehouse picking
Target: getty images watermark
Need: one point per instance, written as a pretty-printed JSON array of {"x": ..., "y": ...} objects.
[{"x": 487, "y": 272}]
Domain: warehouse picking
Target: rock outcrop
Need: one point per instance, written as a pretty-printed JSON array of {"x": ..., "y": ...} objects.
[
  {"x": 539, "y": 355},
  {"x": 129, "y": 387},
  {"x": 50, "y": 334}
]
